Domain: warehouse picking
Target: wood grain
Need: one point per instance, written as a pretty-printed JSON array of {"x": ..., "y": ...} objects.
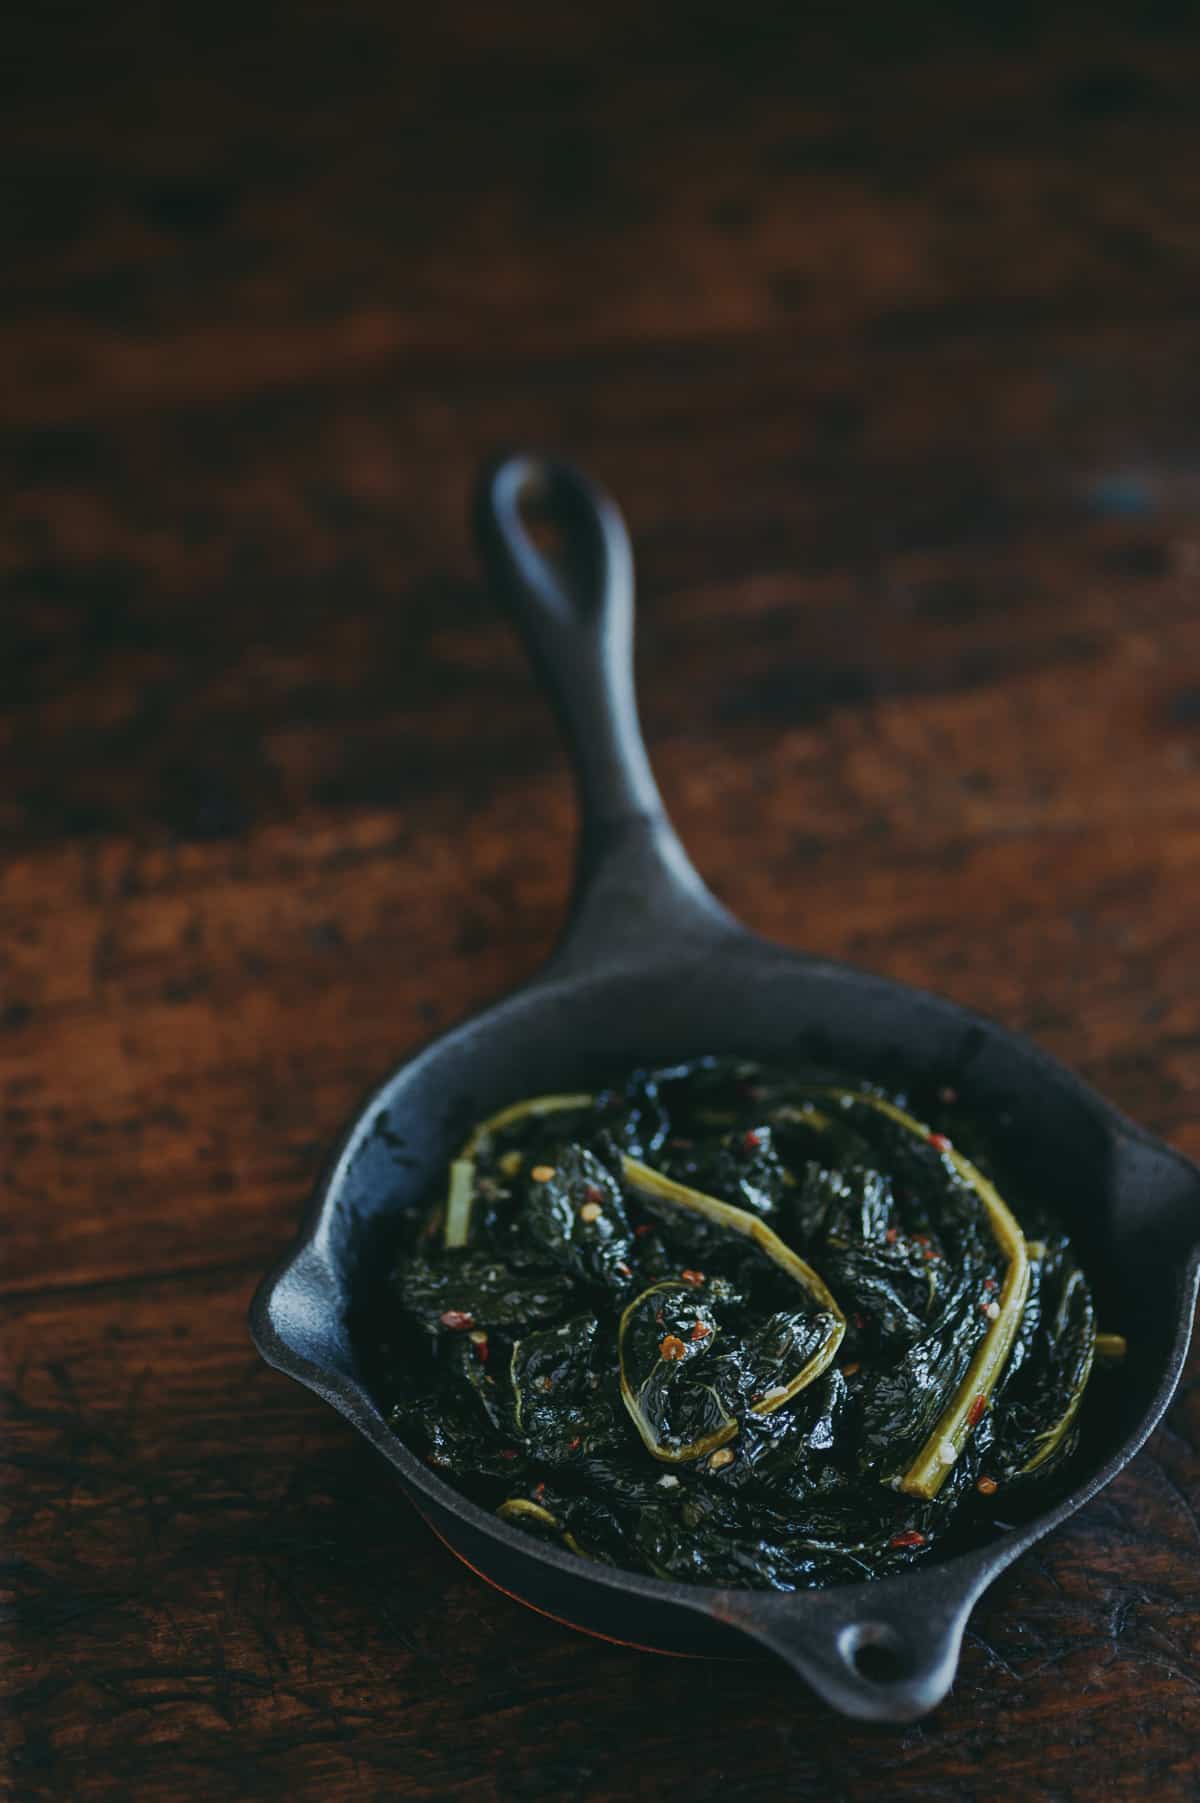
[{"x": 883, "y": 329}]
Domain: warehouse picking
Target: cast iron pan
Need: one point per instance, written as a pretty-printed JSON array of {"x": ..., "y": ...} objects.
[{"x": 651, "y": 968}]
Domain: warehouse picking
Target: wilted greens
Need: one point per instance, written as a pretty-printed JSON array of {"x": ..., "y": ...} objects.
[{"x": 724, "y": 1324}]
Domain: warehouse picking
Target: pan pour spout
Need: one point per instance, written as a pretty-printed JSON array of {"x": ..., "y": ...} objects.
[{"x": 889, "y": 1657}]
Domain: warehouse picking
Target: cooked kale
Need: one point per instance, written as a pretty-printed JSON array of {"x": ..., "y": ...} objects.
[{"x": 724, "y": 1324}]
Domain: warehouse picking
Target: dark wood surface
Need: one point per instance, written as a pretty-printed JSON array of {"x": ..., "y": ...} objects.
[{"x": 885, "y": 332}]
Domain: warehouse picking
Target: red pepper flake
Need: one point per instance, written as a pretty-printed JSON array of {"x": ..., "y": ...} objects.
[
  {"x": 457, "y": 1320},
  {"x": 574, "y": 1444},
  {"x": 987, "y": 1486},
  {"x": 892, "y": 1235},
  {"x": 700, "y": 1330},
  {"x": 624, "y": 1269},
  {"x": 751, "y": 1141},
  {"x": 593, "y": 1193},
  {"x": 989, "y": 1283},
  {"x": 852, "y": 1369},
  {"x": 922, "y": 1239},
  {"x": 671, "y": 1348},
  {"x": 481, "y": 1351},
  {"x": 939, "y": 1142},
  {"x": 539, "y": 1490},
  {"x": 507, "y": 1452},
  {"x": 908, "y": 1537},
  {"x": 977, "y": 1411},
  {"x": 695, "y": 1278},
  {"x": 641, "y": 1232}
]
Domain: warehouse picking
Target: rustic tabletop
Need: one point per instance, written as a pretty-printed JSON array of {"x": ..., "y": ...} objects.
[{"x": 886, "y": 336}]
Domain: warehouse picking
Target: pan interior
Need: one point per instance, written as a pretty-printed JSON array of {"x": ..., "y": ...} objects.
[{"x": 753, "y": 1002}]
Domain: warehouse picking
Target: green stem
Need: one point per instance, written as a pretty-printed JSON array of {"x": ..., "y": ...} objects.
[
  {"x": 647, "y": 1182},
  {"x": 927, "y": 1472}
]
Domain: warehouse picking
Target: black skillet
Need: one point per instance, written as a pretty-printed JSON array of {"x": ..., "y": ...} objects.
[{"x": 651, "y": 968}]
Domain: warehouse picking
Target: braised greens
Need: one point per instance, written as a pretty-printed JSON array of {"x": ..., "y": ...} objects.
[{"x": 723, "y": 1324}]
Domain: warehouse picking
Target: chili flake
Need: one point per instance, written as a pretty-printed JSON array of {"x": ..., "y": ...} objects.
[
  {"x": 573, "y": 1444},
  {"x": 539, "y": 1490},
  {"x": 695, "y": 1278},
  {"x": 700, "y": 1330},
  {"x": 852, "y": 1369},
  {"x": 987, "y": 1486},
  {"x": 508, "y": 1452},
  {"x": 752, "y": 1141},
  {"x": 671, "y": 1348},
  {"x": 624, "y": 1269},
  {"x": 457, "y": 1320},
  {"x": 908, "y": 1537},
  {"x": 977, "y": 1411},
  {"x": 642, "y": 1230},
  {"x": 593, "y": 1193},
  {"x": 939, "y": 1142}
]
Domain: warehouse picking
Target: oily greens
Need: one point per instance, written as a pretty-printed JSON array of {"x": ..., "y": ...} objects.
[{"x": 731, "y": 1325}]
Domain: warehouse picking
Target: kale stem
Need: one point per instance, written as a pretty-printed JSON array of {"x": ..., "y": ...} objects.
[
  {"x": 459, "y": 1199},
  {"x": 928, "y": 1471},
  {"x": 518, "y": 1111},
  {"x": 647, "y": 1182}
]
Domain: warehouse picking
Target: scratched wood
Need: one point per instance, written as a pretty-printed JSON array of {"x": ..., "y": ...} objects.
[{"x": 885, "y": 333}]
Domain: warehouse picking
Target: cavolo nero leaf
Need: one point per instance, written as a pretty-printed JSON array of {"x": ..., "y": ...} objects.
[{"x": 733, "y": 1326}]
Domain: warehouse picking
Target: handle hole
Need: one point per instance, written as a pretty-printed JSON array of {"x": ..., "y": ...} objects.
[
  {"x": 543, "y": 526},
  {"x": 875, "y": 1651},
  {"x": 556, "y": 528},
  {"x": 549, "y": 534}
]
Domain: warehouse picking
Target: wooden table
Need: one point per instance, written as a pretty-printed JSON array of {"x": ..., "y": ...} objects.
[{"x": 886, "y": 335}]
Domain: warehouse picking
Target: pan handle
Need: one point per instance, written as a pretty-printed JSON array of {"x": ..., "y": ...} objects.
[
  {"x": 888, "y": 1655},
  {"x": 574, "y": 611}
]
